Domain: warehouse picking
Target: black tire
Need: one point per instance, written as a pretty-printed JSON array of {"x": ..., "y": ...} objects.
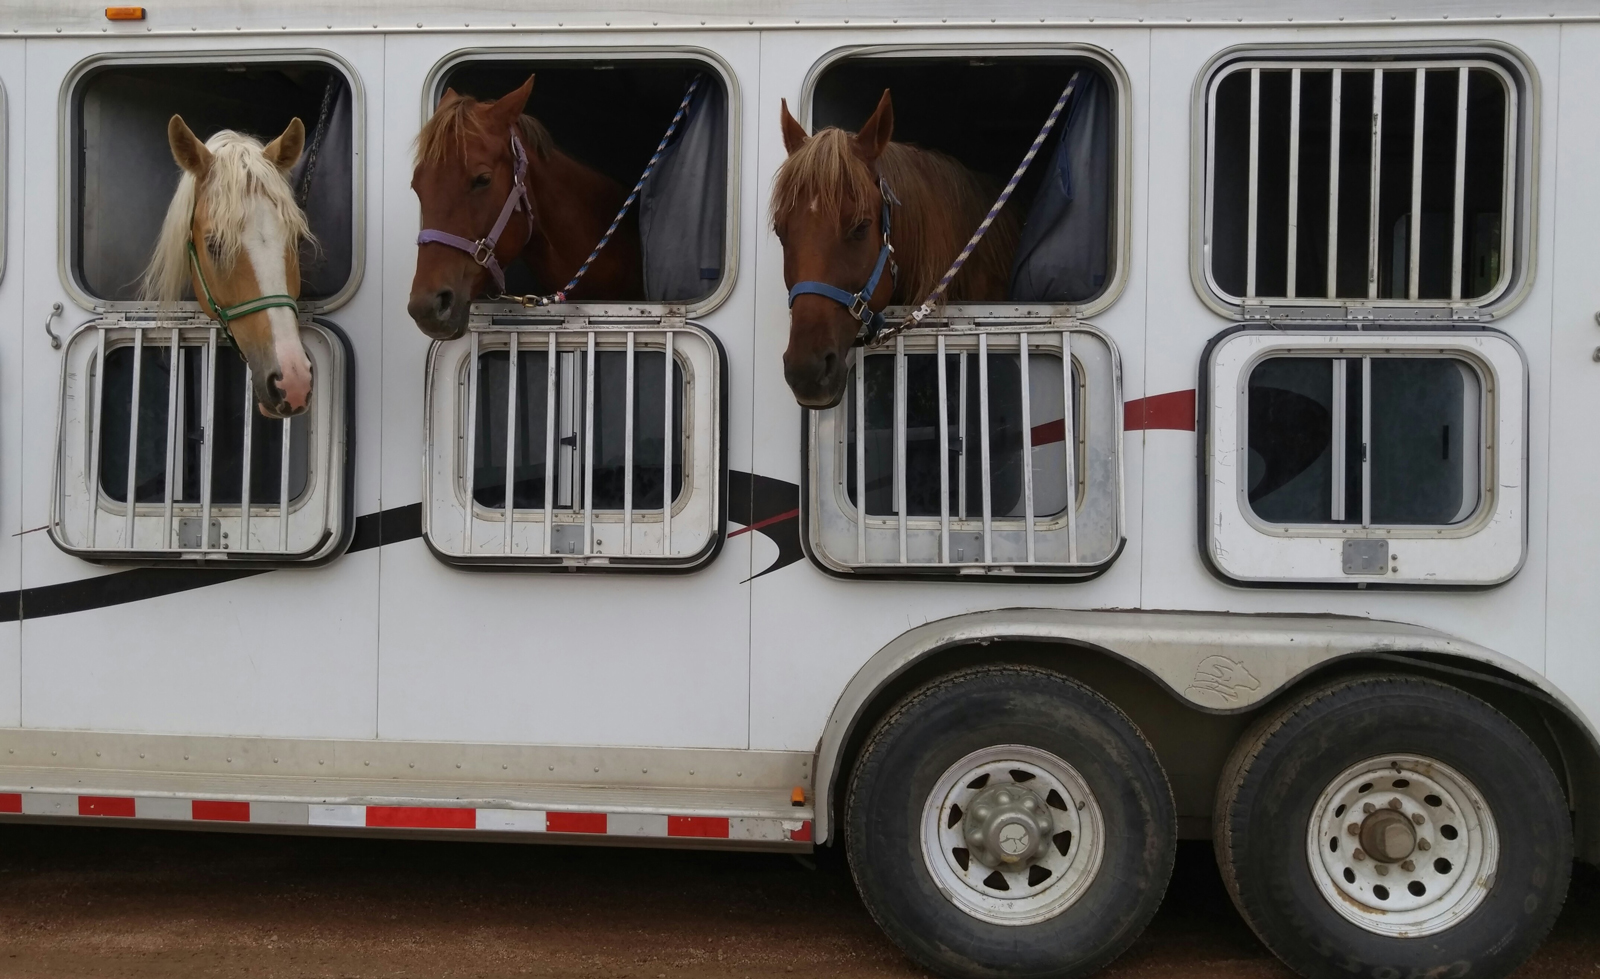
[
  {"x": 1283, "y": 764},
  {"x": 944, "y": 722}
]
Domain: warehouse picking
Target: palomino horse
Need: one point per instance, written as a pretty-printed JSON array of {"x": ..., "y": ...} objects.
[
  {"x": 232, "y": 234},
  {"x": 493, "y": 186},
  {"x": 828, "y": 209}
]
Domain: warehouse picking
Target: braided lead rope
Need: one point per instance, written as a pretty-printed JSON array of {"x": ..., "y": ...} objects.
[
  {"x": 921, "y": 312},
  {"x": 561, "y": 295}
]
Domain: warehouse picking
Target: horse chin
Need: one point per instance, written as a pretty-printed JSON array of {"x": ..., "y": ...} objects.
[
  {"x": 281, "y": 412},
  {"x": 820, "y": 403}
]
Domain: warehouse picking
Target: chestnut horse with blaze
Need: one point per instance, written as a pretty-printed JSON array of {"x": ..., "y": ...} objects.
[
  {"x": 493, "y": 187},
  {"x": 828, "y": 206}
]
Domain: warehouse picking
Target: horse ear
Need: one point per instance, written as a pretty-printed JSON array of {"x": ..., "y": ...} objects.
[
  {"x": 510, "y": 106},
  {"x": 187, "y": 149},
  {"x": 870, "y": 142},
  {"x": 794, "y": 134},
  {"x": 285, "y": 150}
]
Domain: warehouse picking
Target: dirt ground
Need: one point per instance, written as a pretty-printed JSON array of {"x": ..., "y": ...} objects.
[{"x": 104, "y": 902}]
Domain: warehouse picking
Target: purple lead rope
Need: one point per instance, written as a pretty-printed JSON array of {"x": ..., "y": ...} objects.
[
  {"x": 561, "y": 295},
  {"x": 921, "y": 312}
]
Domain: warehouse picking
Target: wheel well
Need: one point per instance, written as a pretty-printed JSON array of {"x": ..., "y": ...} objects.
[{"x": 1193, "y": 743}]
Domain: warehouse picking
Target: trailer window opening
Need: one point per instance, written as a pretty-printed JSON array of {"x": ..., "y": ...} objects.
[
  {"x": 124, "y": 174},
  {"x": 1316, "y": 170},
  {"x": 535, "y": 433},
  {"x": 985, "y": 112},
  {"x": 610, "y": 115},
  {"x": 233, "y": 406}
]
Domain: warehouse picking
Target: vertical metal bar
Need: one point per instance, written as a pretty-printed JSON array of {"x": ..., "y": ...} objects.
[
  {"x": 1333, "y": 182},
  {"x": 208, "y": 418},
  {"x": 900, "y": 439},
  {"x": 1255, "y": 174},
  {"x": 861, "y": 455},
  {"x": 511, "y": 438},
  {"x": 1366, "y": 441},
  {"x": 174, "y": 434},
  {"x": 1069, "y": 439},
  {"x": 1458, "y": 228},
  {"x": 1414, "y": 257},
  {"x": 245, "y": 475},
  {"x": 588, "y": 448},
  {"x": 472, "y": 441},
  {"x": 129, "y": 512},
  {"x": 284, "y": 458},
  {"x": 1027, "y": 442},
  {"x": 549, "y": 441},
  {"x": 627, "y": 455},
  {"x": 944, "y": 458},
  {"x": 1294, "y": 181},
  {"x": 1372, "y": 184},
  {"x": 961, "y": 437},
  {"x": 983, "y": 434},
  {"x": 1340, "y": 434},
  {"x": 97, "y": 410},
  {"x": 666, "y": 451}
]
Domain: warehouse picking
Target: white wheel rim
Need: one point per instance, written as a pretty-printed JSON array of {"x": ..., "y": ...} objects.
[
  {"x": 1044, "y": 885},
  {"x": 1441, "y": 879}
]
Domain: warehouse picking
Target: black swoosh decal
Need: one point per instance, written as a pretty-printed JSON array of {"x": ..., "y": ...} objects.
[{"x": 770, "y": 507}]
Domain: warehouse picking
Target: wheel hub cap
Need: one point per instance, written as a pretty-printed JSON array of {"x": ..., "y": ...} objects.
[
  {"x": 1007, "y": 825},
  {"x": 1387, "y": 835}
]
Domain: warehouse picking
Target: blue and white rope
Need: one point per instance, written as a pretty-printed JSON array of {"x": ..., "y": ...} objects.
[
  {"x": 921, "y": 312},
  {"x": 616, "y": 222}
]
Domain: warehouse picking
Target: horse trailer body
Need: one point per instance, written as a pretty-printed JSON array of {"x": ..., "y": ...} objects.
[{"x": 706, "y": 662}]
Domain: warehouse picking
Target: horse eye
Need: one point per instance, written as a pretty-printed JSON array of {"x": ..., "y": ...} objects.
[
  {"x": 860, "y": 231},
  {"x": 214, "y": 248},
  {"x": 481, "y": 180}
]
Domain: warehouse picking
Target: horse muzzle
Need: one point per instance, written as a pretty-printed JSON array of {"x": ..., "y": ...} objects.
[{"x": 440, "y": 314}]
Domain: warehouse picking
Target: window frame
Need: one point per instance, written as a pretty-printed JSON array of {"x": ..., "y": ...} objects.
[
  {"x": 67, "y": 195},
  {"x": 330, "y": 481},
  {"x": 1521, "y": 158},
  {"x": 825, "y": 507},
  {"x": 1486, "y": 548},
  {"x": 433, "y": 88},
  {"x": 1121, "y": 221},
  {"x": 446, "y": 494}
]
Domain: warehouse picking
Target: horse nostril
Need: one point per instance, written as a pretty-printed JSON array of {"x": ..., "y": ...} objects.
[
  {"x": 443, "y": 301},
  {"x": 829, "y": 361}
]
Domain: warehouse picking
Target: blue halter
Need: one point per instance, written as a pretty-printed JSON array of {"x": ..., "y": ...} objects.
[{"x": 871, "y": 320}]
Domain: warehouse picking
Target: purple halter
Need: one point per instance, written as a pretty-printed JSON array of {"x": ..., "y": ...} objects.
[{"x": 482, "y": 250}]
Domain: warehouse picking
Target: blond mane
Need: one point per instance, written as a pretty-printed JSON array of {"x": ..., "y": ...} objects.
[
  {"x": 456, "y": 122},
  {"x": 240, "y": 172},
  {"x": 941, "y": 203}
]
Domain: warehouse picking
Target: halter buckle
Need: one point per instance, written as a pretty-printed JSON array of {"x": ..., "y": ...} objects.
[
  {"x": 482, "y": 251},
  {"x": 859, "y": 309}
]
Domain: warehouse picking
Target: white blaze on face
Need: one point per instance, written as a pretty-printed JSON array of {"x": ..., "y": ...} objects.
[{"x": 266, "y": 242}]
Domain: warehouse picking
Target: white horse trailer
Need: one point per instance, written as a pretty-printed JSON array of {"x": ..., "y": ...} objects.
[{"x": 1270, "y": 528}]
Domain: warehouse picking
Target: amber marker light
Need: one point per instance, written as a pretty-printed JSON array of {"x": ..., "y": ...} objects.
[
  {"x": 124, "y": 13},
  {"x": 797, "y": 797}
]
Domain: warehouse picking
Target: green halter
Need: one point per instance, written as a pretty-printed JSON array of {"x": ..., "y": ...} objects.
[{"x": 227, "y": 314}]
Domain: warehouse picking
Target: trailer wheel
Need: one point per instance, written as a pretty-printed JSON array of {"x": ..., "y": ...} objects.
[
  {"x": 1008, "y": 821},
  {"x": 1393, "y": 826}
]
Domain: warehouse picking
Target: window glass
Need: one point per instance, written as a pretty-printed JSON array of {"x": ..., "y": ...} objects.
[
  {"x": 232, "y": 402},
  {"x": 1314, "y": 439},
  {"x": 610, "y": 434}
]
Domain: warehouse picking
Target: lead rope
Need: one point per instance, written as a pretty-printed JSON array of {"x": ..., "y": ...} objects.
[
  {"x": 560, "y": 296},
  {"x": 921, "y": 312},
  {"x": 317, "y": 135}
]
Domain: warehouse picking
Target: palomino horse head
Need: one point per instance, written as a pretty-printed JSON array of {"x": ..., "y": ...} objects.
[
  {"x": 466, "y": 175},
  {"x": 235, "y": 208}
]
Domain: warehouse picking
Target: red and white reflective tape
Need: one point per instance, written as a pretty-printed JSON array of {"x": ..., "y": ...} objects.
[{"x": 632, "y": 825}]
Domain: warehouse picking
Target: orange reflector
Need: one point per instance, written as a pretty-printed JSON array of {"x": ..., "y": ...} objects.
[
  {"x": 124, "y": 13},
  {"x": 797, "y": 797}
]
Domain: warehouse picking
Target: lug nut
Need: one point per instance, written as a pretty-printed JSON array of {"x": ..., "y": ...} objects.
[
  {"x": 1358, "y": 854},
  {"x": 1394, "y": 803},
  {"x": 1382, "y": 869},
  {"x": 1408, "y": 866},
  {"x": 1424, "y": 845},
  {"x": 1354, "y": 828},
  {"x": 1416, "y": 817},
  {"x": 1368, "y": 808}
]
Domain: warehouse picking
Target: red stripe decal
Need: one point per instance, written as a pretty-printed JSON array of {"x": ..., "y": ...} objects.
[
  {"x": 1049, "y": 432},
  {"x": 422, "y": 817},
  {"x": 10, "y": 801},
  {"x": 98, "y": 805},
  {"x": 803, "y": 834},
  {"x": 790, "y": 515},
  {"x": 221, "y": 812},
  {"x": 706, "y": 827},
  {"x": 1173, "y": 410},
  {"x": 575, "y": 822}
]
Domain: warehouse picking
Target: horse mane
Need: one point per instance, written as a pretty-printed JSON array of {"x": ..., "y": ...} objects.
[
  {"x": 941, "y": 204},
  {"x": 454, "y": 124},
  {"x": 239, "y": 172}
]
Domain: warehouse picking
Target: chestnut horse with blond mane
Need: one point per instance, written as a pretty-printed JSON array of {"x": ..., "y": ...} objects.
[
  {"x": 827, "y": 210},
  {"x": 469, "y": 157},
  {"x": 232, "y": 234}
]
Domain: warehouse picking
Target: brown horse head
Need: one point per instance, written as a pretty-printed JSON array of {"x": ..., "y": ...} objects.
[
  {"x": 235, "y": 206},
  {"x": 464, "y": 174}
]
